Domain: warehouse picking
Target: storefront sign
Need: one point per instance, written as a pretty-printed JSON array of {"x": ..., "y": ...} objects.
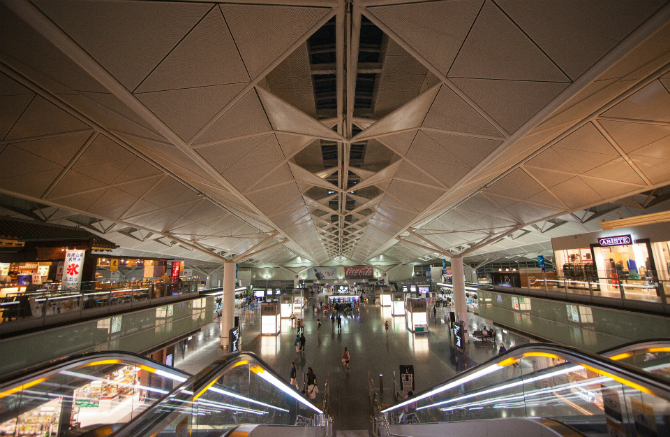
[
  {"x": 619, "y": 240},
  {"x": 72, "y": 269},
  {"x": 359, "y": 272}
]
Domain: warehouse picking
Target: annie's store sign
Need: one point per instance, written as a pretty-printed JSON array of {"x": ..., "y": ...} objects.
[{"x": 619, "y": 240}]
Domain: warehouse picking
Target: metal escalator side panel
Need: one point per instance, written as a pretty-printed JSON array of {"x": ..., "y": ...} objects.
[
  {"x": 512, "y": 426},
  {"x": 84, "y": 390},
  {"x": 236, "y": 389},
  {"x": 551, "y": 381}
]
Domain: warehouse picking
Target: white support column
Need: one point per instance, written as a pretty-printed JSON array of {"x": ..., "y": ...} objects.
[
  {"x": 460, "y": 303},
  {"x": 228, "y": 306}
]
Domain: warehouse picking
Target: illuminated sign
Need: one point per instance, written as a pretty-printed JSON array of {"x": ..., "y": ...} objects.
[
  {"x": 619, "y": 240},
  {"x": 234, "y": 339}
]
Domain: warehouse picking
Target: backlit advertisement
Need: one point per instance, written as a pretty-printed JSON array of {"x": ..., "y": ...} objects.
[
  {"x": 322, "y": 273},
  {"x": 359, "y": 272}
]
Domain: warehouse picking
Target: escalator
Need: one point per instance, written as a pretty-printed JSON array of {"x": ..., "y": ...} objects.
[
  {"x": 237, "y": 395},
  {"x": 542, "y": 389},
  {"x": 94, "y": 393},
  {"x": 625, "y": 391}
]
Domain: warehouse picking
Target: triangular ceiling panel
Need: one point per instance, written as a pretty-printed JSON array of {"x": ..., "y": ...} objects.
[
  {"x": 127, "y": 38},
  {"x": 450, "y": 112},
  {"x": 285, "y": 117},
  {"x": 417, "y": 196},
  {"x": 576, "y": 193},
  {"x": 102, "y": 150},
  {"x": 650, "y": 103},
  {"x": 245, "y": 117},
  {"x": 408, "y": 116},
  {"x": 267, "y": 151},
  {"x": 292, "y": 144},
  {"x": 11, "y": 108},
  {"x": 632, "y": 136},
  {"x": 34, "y": 186},
  {"x": 549, "y": 177},
  {"x": 608, "y": 189},
  {"x": 399, "y": 142},
  {"x": 436, "y": 30},
  {"x": 106, "y": 172},
  {"x": 517, "y": 184},
  {"x": 550, "y": 160},
  {"x": 469, "y": 150},
  {"x": 43, "y": 118},
  {"x": 281, "y": 26},
  {"x": 140, "y": 187},
  {"x": 73, "y": 183},
  {"x": 408, "y": 172},
  {"x": 187, "y": 110},
  {"x": 206, "y": 56},
  {"x": 576, "y": 34},
  {"x": 616, "y": 170},
  {"x": 29, "y": 163},
  {"x": 139, "y": 169},
  {"x": 510, "y": 103},
  {"x": 243, "y": 179},
  {"x": 278, "y": 176},
  {"x": 60, "y": 149},
  {"x": 497, "y": 49},
  {"x": 223, "y": 156}
]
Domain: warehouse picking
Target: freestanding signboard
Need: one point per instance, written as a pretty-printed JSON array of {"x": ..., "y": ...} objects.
[
  {"x": 235, "y": 339},
  {"x": 73, "y": 268},
  {"x": 459, "y": 335}
]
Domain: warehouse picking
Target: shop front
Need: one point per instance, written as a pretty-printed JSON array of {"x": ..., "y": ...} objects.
[{"x": 628, "y": 263}]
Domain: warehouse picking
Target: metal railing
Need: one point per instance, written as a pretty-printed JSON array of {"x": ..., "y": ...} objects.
[{"x": 45, "y": 303}]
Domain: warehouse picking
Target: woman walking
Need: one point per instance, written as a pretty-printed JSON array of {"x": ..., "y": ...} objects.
[{"x": 345, "y": 357}]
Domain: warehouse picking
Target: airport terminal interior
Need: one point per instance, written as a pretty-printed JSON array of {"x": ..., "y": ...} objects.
[{"x": 334, "y": 218}]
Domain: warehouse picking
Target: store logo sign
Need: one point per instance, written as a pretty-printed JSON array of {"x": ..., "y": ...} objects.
[{"x": 619, "y": 240}]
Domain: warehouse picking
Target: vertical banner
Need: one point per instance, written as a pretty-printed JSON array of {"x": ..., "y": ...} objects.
[
  {"x": 113, "y": 265},
  {"x": 72, "y": 269},
  {"x": 176, "y": 267}
]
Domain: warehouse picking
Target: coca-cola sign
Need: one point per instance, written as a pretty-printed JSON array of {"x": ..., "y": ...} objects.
[
  {"x": 618, "y": 240},
  {"x": 359, "y": 272}
]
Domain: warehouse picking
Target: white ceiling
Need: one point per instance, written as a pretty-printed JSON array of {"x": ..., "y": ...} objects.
[{"x": 189, "y": 129}]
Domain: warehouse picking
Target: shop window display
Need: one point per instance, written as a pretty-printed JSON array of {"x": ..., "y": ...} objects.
[
  {"x": 41, "y": 421},
  {"x": 577, "y": 264}
]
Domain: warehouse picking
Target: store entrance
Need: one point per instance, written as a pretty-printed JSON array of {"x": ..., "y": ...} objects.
[{"x": 627, "y": 268}]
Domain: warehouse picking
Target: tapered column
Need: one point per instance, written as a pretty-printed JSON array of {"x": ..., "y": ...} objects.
[
  {"x": 228, "y": 304},
  {"x": 460, "y": 303}
]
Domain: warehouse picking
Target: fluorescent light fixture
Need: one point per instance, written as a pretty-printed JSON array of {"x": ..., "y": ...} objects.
[{"x": 236, "y": 396}]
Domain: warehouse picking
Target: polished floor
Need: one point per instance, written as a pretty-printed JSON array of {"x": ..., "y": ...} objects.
[{"x": 373, "y": 352}]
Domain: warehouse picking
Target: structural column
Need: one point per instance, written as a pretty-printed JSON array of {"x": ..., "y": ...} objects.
[
  {"x": 460, "y": 302},
  {"x": 228, "y": 304}
]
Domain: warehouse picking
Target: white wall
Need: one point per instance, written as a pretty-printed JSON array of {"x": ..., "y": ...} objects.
[{"x": 401, "y": 273}]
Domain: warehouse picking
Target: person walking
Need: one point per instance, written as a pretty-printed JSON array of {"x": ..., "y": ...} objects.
[
  {"x": 386, "y": 325},
  {"x": 312, "y": 388},
  {"x": 434, "y": 310},
  {"x": 345, "y": 357},
  {"x": 297, "y": 343},
  {"x": 293, "y": 376},
  {"x": 332, "y": 320},
  {"x": 339, "y": 322},
  {"x": 318, "y": 326},
  {"x": 303, "y": 340}
]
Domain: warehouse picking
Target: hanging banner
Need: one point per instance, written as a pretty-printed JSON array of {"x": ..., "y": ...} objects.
[
  {"x": 174, "y": 274},
  {"x": 113, "y": 265},
  {"x": 359, "y": 272},
  {"x": 72, "y": 270}
]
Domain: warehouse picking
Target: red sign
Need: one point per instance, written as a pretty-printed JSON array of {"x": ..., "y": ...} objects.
[
  {"x": 176, "y": 267},
  {"x": 619, "y": 240},
  {"x": 359, "y": 272}
]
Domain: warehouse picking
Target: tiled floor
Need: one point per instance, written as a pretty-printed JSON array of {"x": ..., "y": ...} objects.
[{"x": 372, "y": 350}]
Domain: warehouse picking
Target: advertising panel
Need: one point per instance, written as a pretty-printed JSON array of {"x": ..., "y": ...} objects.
[
  {"x": 322, "y": 273},
  {"x": 359, "y": 272},
  {"x": 74, "y": 266},
  {"x": 176, "y": 268}
]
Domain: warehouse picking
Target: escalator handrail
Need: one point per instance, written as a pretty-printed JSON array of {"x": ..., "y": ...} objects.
[
  {"x": 12, "y": 380},
  {"x": 198, "y": 383},
  {"x": 636, "y": 346},
  {"x": 627, "y": 372}
]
